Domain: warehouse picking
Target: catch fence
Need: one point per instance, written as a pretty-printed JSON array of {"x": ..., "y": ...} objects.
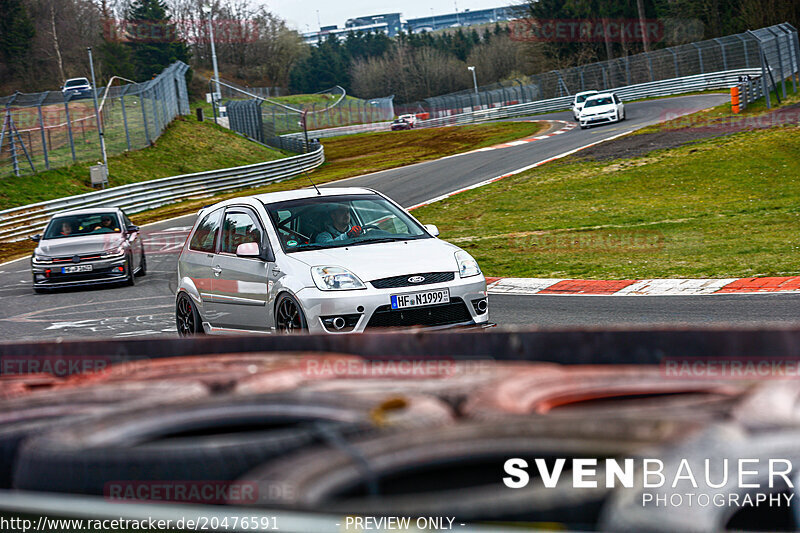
[
  {"x": 775, "y": 50},
  {"x": 53, "y": 129}
]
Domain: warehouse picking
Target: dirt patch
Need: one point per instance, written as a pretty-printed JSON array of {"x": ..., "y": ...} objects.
[{"x": 681, "y": 132}]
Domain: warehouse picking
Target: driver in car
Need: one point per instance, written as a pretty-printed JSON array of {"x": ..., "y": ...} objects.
[
  {"x": 339, "y": 228},
  {"x": 106, "y": 223}
]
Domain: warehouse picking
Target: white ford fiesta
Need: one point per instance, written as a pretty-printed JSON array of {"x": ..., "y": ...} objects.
[{"x": 337, "y": 260}]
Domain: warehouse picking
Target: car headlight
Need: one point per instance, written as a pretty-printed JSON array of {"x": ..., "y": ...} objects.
[
  {"x": 467, "y": 266},
  {"x": 331, "y": 278},
  {"x": 41, "y": 258},
  {"x": 119, "y": 251}
]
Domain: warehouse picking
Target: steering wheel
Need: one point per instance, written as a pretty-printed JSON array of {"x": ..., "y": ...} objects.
[
  {"x": 297, "y": 233},
  {"x": 370, "y": 226}
]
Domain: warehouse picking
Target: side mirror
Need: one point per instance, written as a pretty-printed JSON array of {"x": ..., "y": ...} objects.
[
  {"x": 36, "y": 238},
  {"x": 131, "y": 229},
  {"x": 433, "y": 230},
  {"x": 248, "y": 249}
]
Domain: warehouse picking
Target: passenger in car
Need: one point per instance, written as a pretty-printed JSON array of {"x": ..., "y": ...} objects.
[{"x": 338, "y": 227}]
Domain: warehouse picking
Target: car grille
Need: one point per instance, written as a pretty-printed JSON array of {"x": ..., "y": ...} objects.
[
  {"x": 88, "y": 257},
  {"x": 435, "y": 315},
  {"x": 402, "y": 281}
]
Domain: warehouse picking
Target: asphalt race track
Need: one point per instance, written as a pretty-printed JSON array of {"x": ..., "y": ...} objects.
[{"x": 147, "y": 309}]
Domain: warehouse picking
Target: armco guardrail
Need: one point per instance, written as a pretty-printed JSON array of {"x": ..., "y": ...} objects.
[
  {"x": 343, "y": 130},
  {"x": 19, "y": 222},
  {"x": 700, "y": 82}
]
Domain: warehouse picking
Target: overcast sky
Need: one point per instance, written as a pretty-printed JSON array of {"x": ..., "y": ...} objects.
[{"x": 302, "y": 14}]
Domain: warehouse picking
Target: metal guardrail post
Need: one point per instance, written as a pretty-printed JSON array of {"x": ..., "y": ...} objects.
[
  {"x": 675, "y": 60},
  {"x": 700, "y": 57},
  {"x": 41, "y": 129},
  {"x": 144, "y": 117},
  {"x": 125, "y": 120},
  {"x": 764, "y": 71},
  {"x": 744, "y": 46},
  {"x": 69, "y": 129},
  {"x": 782, "y": 74},
  {"x": 724, "y": 55}
]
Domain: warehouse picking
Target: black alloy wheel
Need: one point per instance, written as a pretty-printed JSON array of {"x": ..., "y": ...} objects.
[
  {"x": 187, "y": 319},
  {"x": 289, "y": 316}
]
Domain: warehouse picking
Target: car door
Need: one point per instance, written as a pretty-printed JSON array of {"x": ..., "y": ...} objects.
[
  {"x": 240, "y": 285},
  {"x": 134, "y": 240},
  {"x": 620, "y": 106},
  {"x": 195, "y": 261}
]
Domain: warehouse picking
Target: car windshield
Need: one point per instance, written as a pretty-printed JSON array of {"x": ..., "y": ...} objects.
[
  {"x": 77, "y": 82},
  {"x": 606, "y": 100},
  {"x": 336, "y": 221},
  {"x": 65, "y": 226},
  {"x": 582, "y": 97}
]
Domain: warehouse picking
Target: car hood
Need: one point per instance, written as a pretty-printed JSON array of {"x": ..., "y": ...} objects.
[
  {"x": 598, "y": 109},
  {"x": 85, "y": 244},
  {"x": 383, "y": 260}
]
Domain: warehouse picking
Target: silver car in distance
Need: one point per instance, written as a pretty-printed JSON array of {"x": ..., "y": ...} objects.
[
  {"x": 87, "y": 246},
  {"x": 340, "y": 260}
]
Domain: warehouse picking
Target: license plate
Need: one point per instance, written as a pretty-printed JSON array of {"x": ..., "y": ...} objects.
[
  {"x": 417, "y": 299},
  {"x": 76, "y": 268}
]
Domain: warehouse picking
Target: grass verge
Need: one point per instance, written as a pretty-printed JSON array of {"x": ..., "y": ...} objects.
[
  {"x": 347, "y": 156},
  {"x": 723, "y": 207},
  {"x": 186, "y": 146}
]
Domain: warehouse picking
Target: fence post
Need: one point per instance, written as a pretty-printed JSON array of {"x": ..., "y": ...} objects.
[
  {"x": 700, "y": 57},
  {"x": 650, "y": 65},
  {"x": 795, "y": 74},
  {"x": 125, "y": 121},
  {"x": 41, "y": 129},
  {"x": 744, "y": 44},
  {"x": 675, "y": 60},
  {"x": 724, "y": 55},
  {"x": 780, "y": 61},
  {"x": 156, "y": 119},
  {"x": 144, "y": 117},
  {"x": 605, "y": 78},
  {"x": 764, "y": 85},
  {"x": 69, "y": 131}
]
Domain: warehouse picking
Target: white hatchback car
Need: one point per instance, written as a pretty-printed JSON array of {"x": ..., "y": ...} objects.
[
  {"x": 605, "y": 107},
  {"x": 339, "y": 260},
  {"x": 577, "y": 102}
]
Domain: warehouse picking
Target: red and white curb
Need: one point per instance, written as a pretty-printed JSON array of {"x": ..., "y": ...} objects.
[
  {"x": 565, "y": 127},
  {"x": 642, "y": 287}
]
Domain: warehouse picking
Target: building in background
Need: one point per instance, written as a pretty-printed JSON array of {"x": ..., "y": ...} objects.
[{"x": 392, "y": 23}]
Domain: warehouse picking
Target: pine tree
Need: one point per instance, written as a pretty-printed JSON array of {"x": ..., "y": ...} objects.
[
  {"x": 154, "y": 44},
  {"x": 16, "y": 34}
]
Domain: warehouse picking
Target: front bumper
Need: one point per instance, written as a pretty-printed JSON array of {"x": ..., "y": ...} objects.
[
  {"x": 370, "y": 308},
  {"x": 103, "y": 271},
  {"x": 605, "y": 118}
]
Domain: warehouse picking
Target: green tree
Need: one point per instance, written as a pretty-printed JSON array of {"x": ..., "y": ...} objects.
[
  {"x": 153, "y": 39},
  {"x": 16, "y": 34}
]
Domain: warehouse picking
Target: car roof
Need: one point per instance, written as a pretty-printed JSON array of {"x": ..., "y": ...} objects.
[
  {"x": 601, "y": 95},
  {"x": 282, "y": 196},
  {"x": 86, "y": 211},
  {"x": 586, "y": 92},
  {"x": 78, "y": 79}
]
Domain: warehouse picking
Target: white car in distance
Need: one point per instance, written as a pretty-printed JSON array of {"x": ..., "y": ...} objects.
[
  {"x": 577, "y": 102},
  {"x": 605, "y": 107}
]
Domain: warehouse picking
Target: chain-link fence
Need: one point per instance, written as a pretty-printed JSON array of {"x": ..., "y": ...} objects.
[
  {"x": 270, "y": 121},
  {"x": 53, "y": 129},
  {"x": 774, "y": 49}
]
